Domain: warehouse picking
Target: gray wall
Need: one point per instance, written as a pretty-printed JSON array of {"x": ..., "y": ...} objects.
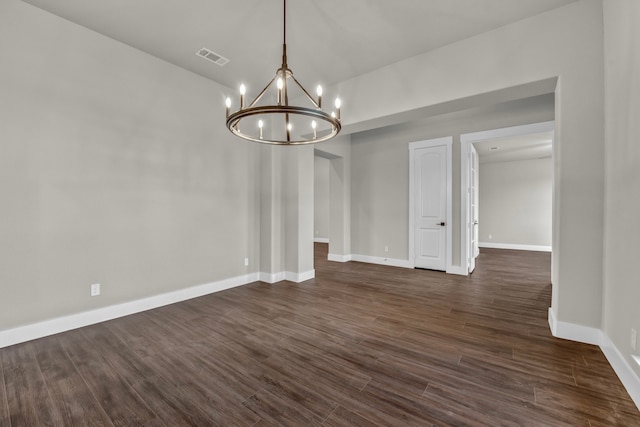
[
  {"x": 622, "y": 208},
  {"x": 380, "y": 171},
  {"x": 298, "y": 207},
  {"x": 566, "y": 43},
  {"x": 515, "y": 202},
  {"x": 113, "y": 170},
  {"x": 321, "y": 198}
]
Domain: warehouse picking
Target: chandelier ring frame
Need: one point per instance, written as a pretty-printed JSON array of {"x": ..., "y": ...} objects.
[{"x": 233, "y": 122}]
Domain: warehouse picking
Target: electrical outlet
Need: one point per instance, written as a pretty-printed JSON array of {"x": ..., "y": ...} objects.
[
  {"x": 490, "y": 237},
  {"x": 246, "y": 262},
  {"x": 386, "y": 248},
  {"x": 95, "y": 289},
  {"x": 634, "y": 339}
]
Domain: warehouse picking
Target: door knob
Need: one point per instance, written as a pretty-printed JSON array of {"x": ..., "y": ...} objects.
[{"x": 442, "y": 224}]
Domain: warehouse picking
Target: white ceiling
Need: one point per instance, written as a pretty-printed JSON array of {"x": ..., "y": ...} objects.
[
  {"x": 328, "y": 40},
  {"x": 523, "y": 147}
]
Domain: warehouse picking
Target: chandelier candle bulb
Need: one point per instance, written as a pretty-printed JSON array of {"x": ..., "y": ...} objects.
[
  {"x": 228, "y": 104},
  {"x": 243, "y": 91},
  {"x": 260, "y": 124},
  {"x": 338, "y": 104},
  {"x": 314, "y": 125},
  {"x": 319, "y": 92},
  {"x": 280, "y": 85}
]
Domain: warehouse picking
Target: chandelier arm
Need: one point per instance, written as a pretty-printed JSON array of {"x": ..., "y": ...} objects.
[
  {"x": 262, "y": 92},
  {"x": 313, "y": 101}
]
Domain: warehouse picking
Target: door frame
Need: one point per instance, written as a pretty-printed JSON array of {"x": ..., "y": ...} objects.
[
  {"x": 465, "y": 142},
  {"x": 413, "y": 146},
  {"x": 473, "y": 250},
  {"x": 339, "y": 207}
]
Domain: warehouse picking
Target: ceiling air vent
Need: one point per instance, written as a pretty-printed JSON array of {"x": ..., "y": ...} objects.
[{"x": 212, "y": 56}]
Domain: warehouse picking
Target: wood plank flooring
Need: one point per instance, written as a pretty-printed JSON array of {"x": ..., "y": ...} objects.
[{"x": 359, "y": 345}]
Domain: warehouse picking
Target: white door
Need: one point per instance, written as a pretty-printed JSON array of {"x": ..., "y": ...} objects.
[
  {"x": 474, "y": 250},
  {"x": 430, "y": 206}
]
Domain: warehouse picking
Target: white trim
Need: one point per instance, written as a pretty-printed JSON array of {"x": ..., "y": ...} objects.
[
  {"x": 403, "y": 263},
  {"x": 512, "y": 246},
  {"x": 574, "y": 332},
  {"x": 66, "y": 323},
  {"x": 287, "y": 275},
  {"x": 299, "y": 277},
  {"x": 623, "y": 369},
  {"x": 339, "y": 258},
  {"x": 580, "y": 333},
  {"x": 587, "y": 335},
  {"x": 487, "y": 135},
  {"x": 272, "y": 277},
  {"x": 382, "y": 261},
  {"x": 458, "y": 269},
  {"x": 553, "y": 322},
  {"x": 413, "y": 146},
  {"x": 465, "y": 153},
  {"x": 465, "y": 142},
  {"x": 321, "y": 239}
]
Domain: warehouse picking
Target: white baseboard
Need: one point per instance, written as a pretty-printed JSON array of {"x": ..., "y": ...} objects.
[
  {"x": 74, "y": 321},
  {"x": 623, "y": 369},
  {"x": 516, "y": 247},
  {"x": 382, "y": 261},
  {"x": 299, "y": 277},
  {"x": 588, "y": 335},
  {"x": 321, "y": 239},
  {"x": 457, "y": 269},
  {"x": 404, "y": 263},
  {"x": 287, "y": 275},
  {"x": 553, "y": 322},
  {"x": 66, "y": 323},
  {"x": 272, "y": 277},
  {"x": 573, "y": 332},
  {"x": 339, "y": 258}
]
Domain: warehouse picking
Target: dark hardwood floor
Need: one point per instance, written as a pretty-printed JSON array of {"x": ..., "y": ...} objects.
[{"x": 360, "y": 345}]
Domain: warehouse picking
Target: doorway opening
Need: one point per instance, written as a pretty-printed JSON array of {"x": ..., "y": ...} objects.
[
  {"x": 331, "y": 207},
  {"x": 321, "y": 199},
  {"x": 514, "y": 211}
]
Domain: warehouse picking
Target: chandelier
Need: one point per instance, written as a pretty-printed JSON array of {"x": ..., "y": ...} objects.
[{"x": 279, "y": 122}]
